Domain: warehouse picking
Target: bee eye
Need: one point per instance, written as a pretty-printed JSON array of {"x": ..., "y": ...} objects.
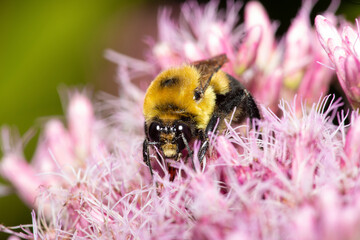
[
  {"x": 182, "y": 128},
  {"x": 154, "y": 131}
]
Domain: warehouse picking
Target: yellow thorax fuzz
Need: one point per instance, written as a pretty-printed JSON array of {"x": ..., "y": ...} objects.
[{"x": 171, "y": 95}]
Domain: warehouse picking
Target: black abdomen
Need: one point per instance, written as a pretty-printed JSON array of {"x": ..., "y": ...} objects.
[{"x": 237, "y": 97}]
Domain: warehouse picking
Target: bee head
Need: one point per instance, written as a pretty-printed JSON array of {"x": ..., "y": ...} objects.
[{"x": 169, "y": 136}]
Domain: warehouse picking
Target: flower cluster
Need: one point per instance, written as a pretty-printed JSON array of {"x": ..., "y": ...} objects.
[
  {"x": 283, "y": 184},
  {"x": 297, "y": 177},
  {"x": 344, "y": 52},
  {"x": 271, "y": 69}
]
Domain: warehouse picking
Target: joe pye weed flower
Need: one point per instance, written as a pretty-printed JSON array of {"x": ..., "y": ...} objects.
[
  {"x": 296, "y": 177},
  {"x": 344, "y": 52}
]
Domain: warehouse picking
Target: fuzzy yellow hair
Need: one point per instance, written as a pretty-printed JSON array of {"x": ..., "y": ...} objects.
[{"x": 171, "y": 95}]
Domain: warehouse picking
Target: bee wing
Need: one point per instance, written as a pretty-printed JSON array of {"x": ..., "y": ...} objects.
[{"x": 207, "y": 69}]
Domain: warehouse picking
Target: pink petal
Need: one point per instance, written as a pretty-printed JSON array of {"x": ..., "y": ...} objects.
[
  {"x": 352, "y": 40},
  {"x": 305, "y": 220},
  {"x": 326, "y": 31},
  {"x": 340, "y": 55},
  {"x": 81, "y": 124},
  {"x": 192, "y": 52},
  {"x": 352, "y": 76},
  {"x": 297, "y": 44},
  {"x": 226, "y": 149},
  {"x": 315, "y": 82},
  {"x": 216, "y": 39},
  {"x": 165, "y": 55},
  {"x": 13, "y": 238},
  {"x": 22, "y": 176},
  {"x": 352, "y": 144},
  {"x": 256, "y": 16},
  {"x": 45, "y": 165},
  {"x": 247, "y": 53},
  {"x": 59, "y": 142},
  {"x": 270, "y": 92}
]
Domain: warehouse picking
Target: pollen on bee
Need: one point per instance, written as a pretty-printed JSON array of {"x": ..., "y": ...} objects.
[{"x": 169, "y": 150}]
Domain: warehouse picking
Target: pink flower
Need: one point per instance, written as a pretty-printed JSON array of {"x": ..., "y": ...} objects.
[
  {"x": 59, "y": 153},
  {"x": 285, "y": 68},
  {"x": 248, "y": 50},
  {"x": 251, "y": 187},
  {"x": 343, "y": 51},
  {"x": 81, "y": 124},
  {"x": 298, "y": 43},
  {"x": 304, "y": 73},
  {"x": 22, "y": 176},
  {"x": 256, "y": 16},
  {"x": 272, "y": 85},
  {"x": 294, "y": 176},
  {"x": 352, "y": 144},
  {"x": 316, "y": 79},
  {"x": 203, "y": 32},
  {"x": 315, "y": 221}
]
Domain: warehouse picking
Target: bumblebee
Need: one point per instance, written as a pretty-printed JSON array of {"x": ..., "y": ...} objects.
[{"x": 187, "y": 102}]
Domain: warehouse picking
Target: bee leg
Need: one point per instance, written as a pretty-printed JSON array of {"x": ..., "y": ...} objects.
[
  {"x": 146, "y": 156},
  {"x": 203, "y": 149},
  {"x": 190, "y": 152},
  {"x": 211, "y": 127}
]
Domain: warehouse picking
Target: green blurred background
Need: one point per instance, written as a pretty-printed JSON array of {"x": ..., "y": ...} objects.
[{"x": 48, "y": 44}]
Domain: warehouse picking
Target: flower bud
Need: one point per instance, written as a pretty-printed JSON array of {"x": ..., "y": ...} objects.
[{"x": 81, "y": 123}]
